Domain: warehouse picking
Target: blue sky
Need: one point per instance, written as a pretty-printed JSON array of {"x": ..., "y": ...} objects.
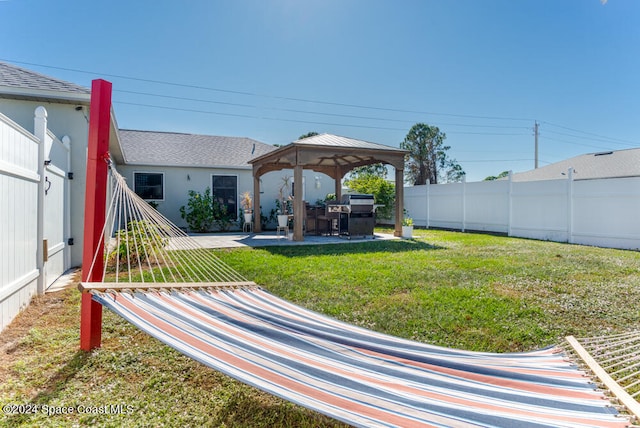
[{"x": 482, "y": 71}]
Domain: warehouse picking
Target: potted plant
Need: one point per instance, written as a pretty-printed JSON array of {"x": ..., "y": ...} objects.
[
  {"x": 407, "y": 227},
  {"x": 247, "y": 206},
  {"x": 283, "y": 201}
]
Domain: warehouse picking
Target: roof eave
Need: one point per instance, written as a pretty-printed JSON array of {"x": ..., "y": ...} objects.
[
  {"x": 44, "y": 95},
  {"x": 242, "y": 167}
]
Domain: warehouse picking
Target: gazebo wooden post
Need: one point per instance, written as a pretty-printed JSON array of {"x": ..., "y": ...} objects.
[
  {"x": 338, "y": 183},
  {"x": 257, "y": 226},
  {"x": 298, "y": 204},
  {"x": 399, "y": 201}
]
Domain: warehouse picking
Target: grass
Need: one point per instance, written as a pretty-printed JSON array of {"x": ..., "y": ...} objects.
[{"x": 470, "y": 291}]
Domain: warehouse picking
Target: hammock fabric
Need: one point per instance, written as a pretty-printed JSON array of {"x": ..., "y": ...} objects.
[{"x": 358, "y": 376}]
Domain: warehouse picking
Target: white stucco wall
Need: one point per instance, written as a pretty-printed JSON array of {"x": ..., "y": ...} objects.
[{"x": 179, "y": 180}]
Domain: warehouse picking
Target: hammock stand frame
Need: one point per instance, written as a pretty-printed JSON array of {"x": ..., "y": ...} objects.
[{"x": 95, "y": 209}]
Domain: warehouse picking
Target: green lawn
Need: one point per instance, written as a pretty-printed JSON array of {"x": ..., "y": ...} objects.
[{"x": 470, "y": 291}]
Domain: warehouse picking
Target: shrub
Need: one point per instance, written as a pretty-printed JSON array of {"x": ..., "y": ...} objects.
[
  {"x": 199, "y": 212},
  {"x": 137, "y": 242},
  {"x": 221, "y": 215}
]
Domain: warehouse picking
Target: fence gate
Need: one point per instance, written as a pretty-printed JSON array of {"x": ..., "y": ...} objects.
[{"x": 56, "y": 210}]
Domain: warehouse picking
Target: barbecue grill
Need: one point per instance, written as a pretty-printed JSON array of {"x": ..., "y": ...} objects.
[{"x": 357, "y": 215}]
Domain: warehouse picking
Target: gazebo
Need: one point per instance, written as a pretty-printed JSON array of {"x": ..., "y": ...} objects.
[{"x": 334, "y": 156}]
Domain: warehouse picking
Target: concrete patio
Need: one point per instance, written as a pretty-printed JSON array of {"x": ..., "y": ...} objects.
[{"x": 264, "y": 239}]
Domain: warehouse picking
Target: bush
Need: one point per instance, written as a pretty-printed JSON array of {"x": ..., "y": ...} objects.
[
  {"x": 199, "y": 211},
  {"x": 137, "y": 242},
  {"x": 221, "y": 217}
]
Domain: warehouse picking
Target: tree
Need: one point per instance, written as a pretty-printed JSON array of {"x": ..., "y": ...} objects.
[
  {"x": 427, "y": 159},
  {"x": 377, "y": 169},
  {"x": 496, "y": 177},
  {"x": 307, "y": 135},
  {"x": 372, "y": 179}
]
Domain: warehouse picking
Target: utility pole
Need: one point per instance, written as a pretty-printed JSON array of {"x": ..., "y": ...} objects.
[{"x": 535, "y": 133}]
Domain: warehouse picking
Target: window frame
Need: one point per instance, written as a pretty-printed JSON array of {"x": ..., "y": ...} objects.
[
  {"x": 135, "y": 184},
  {"x": 235, "y": 215}
]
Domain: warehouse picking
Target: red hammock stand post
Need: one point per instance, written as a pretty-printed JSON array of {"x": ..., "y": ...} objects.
[{"x": 95, "y": 210}]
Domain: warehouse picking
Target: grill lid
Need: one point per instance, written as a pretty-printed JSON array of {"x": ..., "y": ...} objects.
[{"x": 357, "y": 199}]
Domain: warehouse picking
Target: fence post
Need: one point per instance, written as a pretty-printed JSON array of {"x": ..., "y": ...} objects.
[
  {"x": 510, "y": 204},
  {"x": 428, "y": 204},
  {"x": 66, "y": 141},
  {"x": 40, "y": 132},
  {"x": 464, "y": 202},
  {"x": 570, "y": 206}
]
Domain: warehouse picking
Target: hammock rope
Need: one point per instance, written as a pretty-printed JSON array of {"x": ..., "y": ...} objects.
[
  {"x": 162, "y": 281},
  {"x": 141, "y": 245}
]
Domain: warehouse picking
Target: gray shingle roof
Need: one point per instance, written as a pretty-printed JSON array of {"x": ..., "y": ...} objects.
[
  {"x": 189, "y": 150},
  {"x": 15, "y": 77},
  {"x": 619, "y": 163}
]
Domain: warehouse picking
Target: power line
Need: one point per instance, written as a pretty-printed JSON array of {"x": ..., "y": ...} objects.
[
  {"x": 634, "y": 143},
  {"x": 576, "y": 144},
  {"x": 594, "y": 139},
  {"x": 600, "y": 138},
  {"x": 248, "y": 116},
  {"x": 496, "y": 160},
  {"x": 349, "y": 116},
  {"x": 258, "y": 117},
  {"x": 255, "y": 94}
]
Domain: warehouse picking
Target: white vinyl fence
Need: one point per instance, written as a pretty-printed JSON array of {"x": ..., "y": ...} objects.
[
  {"x": 602, "y": 212},
  {"x": 19, "y": 179},
  {"x": 34, "y": 207}
]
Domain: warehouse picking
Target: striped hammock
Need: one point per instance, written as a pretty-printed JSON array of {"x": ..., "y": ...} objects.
[
  {"x": 355, "y": 375},
  {"x": 359, "y": 376}
]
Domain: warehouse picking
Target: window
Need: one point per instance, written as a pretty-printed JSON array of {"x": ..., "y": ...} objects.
[
  {"x": 225, "y": 191},
  {"x": 149, "y": 185}
]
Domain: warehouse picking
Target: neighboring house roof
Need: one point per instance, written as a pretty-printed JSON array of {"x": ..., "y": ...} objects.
[
  {"x": 19, "y": 83},
  {"x": 189, "y": 150},
  {"x": 610, "y": 164}
]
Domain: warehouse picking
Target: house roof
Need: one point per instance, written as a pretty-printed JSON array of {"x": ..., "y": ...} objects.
[
  {"x": 189, "y": 150},
  {"x": 610, "y": 164},
  {"x": 19, "y": 83}
]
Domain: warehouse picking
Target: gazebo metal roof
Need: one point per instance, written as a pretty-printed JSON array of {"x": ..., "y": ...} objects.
[{"x": 334, "y": 156}]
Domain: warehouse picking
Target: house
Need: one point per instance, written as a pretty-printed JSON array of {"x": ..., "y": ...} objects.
[
  {"x": 162, "y": 167},
  {"x": 608, "y": 164},
  {"x": 42, "y": 194}
]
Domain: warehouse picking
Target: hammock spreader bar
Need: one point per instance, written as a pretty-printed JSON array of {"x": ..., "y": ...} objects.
[
  {"x": 117, "y": 286},
  {"x": 627, "y": 400}
]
